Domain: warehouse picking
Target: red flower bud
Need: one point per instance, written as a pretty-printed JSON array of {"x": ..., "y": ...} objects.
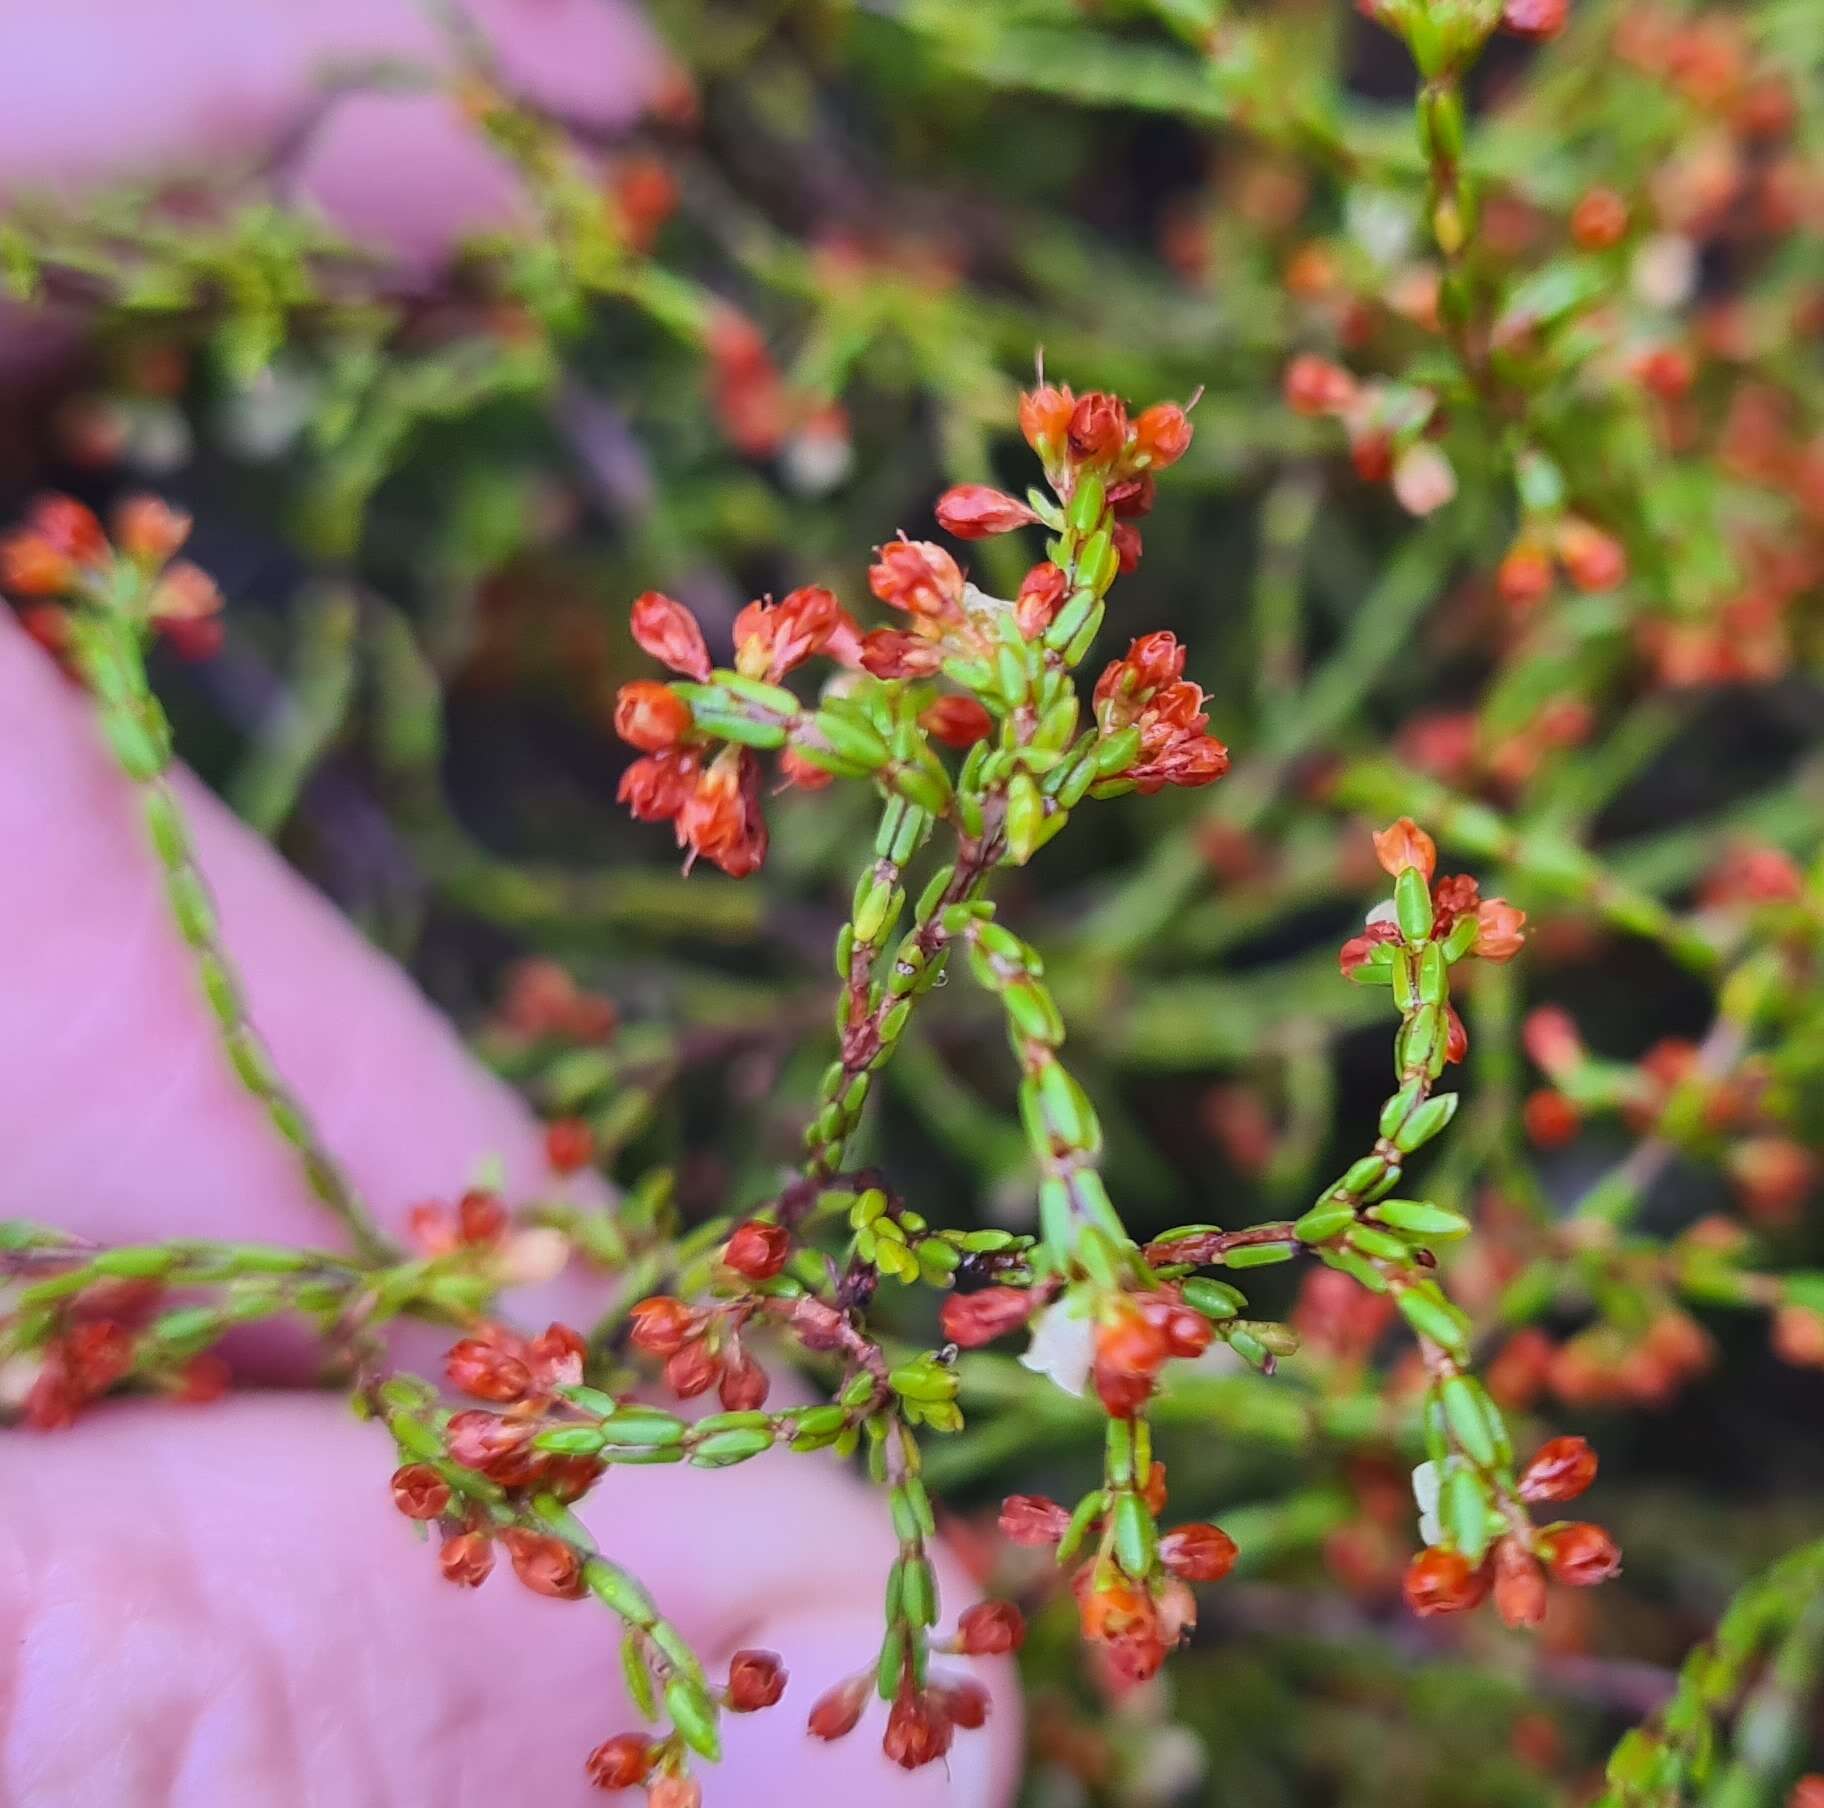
[
  {"x": 419, "y": 1492},
  {"x": 660, "y": 1325},
  {"x": 757, "y": 1250},
  {"x": 569, "y": 1145},
  {"x": 621, "y": 1762},
  {"x": 1041, "y": 592},
  {"x": 467, "y": 1559},
  {"x": 1098, "y": 428},
  {"x": 668, "y": 632},
  {"x": 1456, "y": 1035},
  {"x": 1581, "y": 1554},
  {"x": 1525, "y": 575},
  {"x": 546, "y": 1565},
  {"x": 674, "y": 1792},
  {"x": 1550, "y": 1118},
  {"x": 756, "y": 1679},
  {"x": 148, "y": 530},
  {"x": 973, "y": 1319},
  {"x": 893, "y": 653},
  {"x": 964, "y": 1700},
  {"x": 1535, "y": 19},
  {"x": 693, "y": 1370},
  {"x": 1315, "y": 386},
  {"x": 480, "y": 1217},
  {"x": 1562, "y": 1470},
  {"x": 1599, "y": 220},
  {"x": 836, "y": 1711},
  {"x": 1198, "y": 1553},
  {"x": 957, "y": 721},
  {"x": 1500, "y": 930},
  {"x": 1045, "y": 419},
  {"x": 1550, "y": 1038},
  {"x": 990, "y": 1629},
  {"x": 1593, "y": 560},
  {"x": 486, "y": 1371},
  {"x": 1405, "y": 844},
  {"x": 1441, "y": 1581},
  {"x": 1162, "y": 434},
  {"x": 650, "y": 716},
  {"x": 1031, "y": 1519},
  {"x": 918, "y": 1731},
  {"x": 918, "y": 577},
  {"x": 973, "y": 511},
  {"x": 1359, "y": 949},
  {"x": 1519, "y": 1584},
  {"x": 744, "y": 1385}
]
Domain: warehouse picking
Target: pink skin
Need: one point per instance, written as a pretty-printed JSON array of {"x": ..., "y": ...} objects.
[{"x": 211, "y": 1606}]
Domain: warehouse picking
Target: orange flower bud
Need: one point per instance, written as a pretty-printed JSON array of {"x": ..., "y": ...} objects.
[
  {"x": 486, "y": 1371},
  {"x": 1162, "y": 434},
  {"x": 957, "y": 721},
  {"x": 1500, "y": 930},
  {"x": 1098, "y": 428},
  {"x": 660, "y": 1325},
  {"x": 1519, "y": 1584},
  {"x": 756, "y": 1679},
  {"x": 1405, "y": 844},
  {"x": 1599, "y": 220},
  {"x": 1315, "y": 386},
  {"x": 650, "y": 716},
  {"x": 1442, "y": 1581},
  {"x": 148, "y": 530},
  {"x": 835, "y": 1712},
  {"x": 546, "y": 1565},
  {"x": 1581, "y": 1554}
]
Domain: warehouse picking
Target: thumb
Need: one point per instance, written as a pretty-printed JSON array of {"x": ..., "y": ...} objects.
[
  {"x": 119, "y": 1113},
  {"x": 269, "y": 1631}
]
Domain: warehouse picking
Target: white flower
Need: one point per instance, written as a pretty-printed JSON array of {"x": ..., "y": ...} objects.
[
  {"x": 1063, "y": 1345},
  {"x": 1427, "y": 1484}
]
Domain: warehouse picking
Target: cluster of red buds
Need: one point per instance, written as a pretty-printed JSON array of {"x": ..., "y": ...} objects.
[
  {"x": 701, "y": 1349},
  {"x": 1133, "y": 1601},
  {"x": 1444, "y": 1579},
  {"x": 64, "y": 555}
]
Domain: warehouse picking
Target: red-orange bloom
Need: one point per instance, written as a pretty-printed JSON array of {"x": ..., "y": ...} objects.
[
  {"x": 1042, "y": 590},
  {"x": 720, "y": 819},
  {"x": 1581, "y": 1554},
  {"x": 1500, "y": 929},
  {"x": 1519, "y": 1584},
  {"x": 1162, "y": 434},
  {"x": 149, "y": 530},
  {"x": 668, "y": 631},
  {"x": 655, "y": 788},
  {"x": 650, "y": 716},
  {"x": 1441, "y": 1581},
  {"x": 1593, "y": 560},
  {"x": 918, "y": 577},
  {"x": 482, "y": 1368},
  {"x": 1175, "y": 747},
  {"x": 1045, "y": 419},
  {"x": 772, "y": 639},
  {"x": 660, "y": 1325}
]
